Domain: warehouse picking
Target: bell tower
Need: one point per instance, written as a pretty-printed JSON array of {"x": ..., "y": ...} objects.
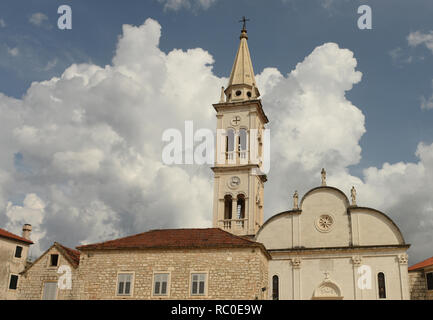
[{"x": 238, "y": 180}]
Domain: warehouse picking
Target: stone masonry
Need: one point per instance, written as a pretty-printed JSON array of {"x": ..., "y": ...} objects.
[
  {"x": 232, "y": 273},
  {"x": 33, "y": 280}
]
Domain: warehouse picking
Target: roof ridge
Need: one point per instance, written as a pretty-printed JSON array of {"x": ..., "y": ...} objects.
[
  {"x": 170, "y": 238},
  {"x": 141, "y": 233}
]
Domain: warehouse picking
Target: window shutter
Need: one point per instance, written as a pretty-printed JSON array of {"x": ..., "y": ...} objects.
[{"x": 50, "y": 291}]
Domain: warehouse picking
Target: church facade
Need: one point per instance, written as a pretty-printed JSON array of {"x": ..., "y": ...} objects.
[{"x": 324, "y": 247}]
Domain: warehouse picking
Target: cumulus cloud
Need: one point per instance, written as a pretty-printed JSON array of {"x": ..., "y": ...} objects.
[
  {"x": 186, "y": 4},
  {"x": 38, "y": 19},
  {"x": 86, "y": 146},
  {"x": 89, "y": 142},
  {"x": 419, "y": 38},
  {"x": 32, "y": 211},
  {"x": 2, "y": 23}
]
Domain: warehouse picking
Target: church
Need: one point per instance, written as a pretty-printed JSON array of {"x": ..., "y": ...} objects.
[{"x": 326, "y": 246}]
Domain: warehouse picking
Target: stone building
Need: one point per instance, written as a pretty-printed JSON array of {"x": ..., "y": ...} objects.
[
  {"x": 323, "y": 247},
  {"x": 52, "y": 276},
  {"x": 421, "y": 280},
  {"x": 174, "y": 264},
  {"x": 14, "y": 252},
  {"x": 328, "y": 248}
]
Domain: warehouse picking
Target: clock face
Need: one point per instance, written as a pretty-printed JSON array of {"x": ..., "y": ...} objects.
[{"x": 234, "y": 182}]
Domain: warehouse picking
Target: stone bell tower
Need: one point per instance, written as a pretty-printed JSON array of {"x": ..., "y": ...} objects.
[{"x": 238, "y": 180}]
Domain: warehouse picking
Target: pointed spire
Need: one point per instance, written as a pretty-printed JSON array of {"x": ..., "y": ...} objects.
[{"x": 242, "y": 84}]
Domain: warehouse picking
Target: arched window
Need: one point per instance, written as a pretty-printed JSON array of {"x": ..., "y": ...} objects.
[
  {"x": 381, "y": 285},
  {"x": 241, "y": 207},
  {"x": 230, "y": 139},
  {"x": 275, "y": 288},
  {"x": 227, "y": 207},
  {"x": 230, "y": 144},
  {"x": 242, "y": 140}
]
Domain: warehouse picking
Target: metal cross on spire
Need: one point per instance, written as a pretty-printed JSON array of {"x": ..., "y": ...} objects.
[{"x": 244, "y": 20}]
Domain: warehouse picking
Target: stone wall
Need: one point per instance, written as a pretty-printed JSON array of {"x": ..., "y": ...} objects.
[
  {"x": 10, "y": 265},
  {"x": 235, "y": 273},
  {"x": 418, "y": 285},
  {"x": 32, "y": 281}
]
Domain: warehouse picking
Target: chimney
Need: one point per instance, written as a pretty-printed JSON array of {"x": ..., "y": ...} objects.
[{"x": 27, "y": 230}]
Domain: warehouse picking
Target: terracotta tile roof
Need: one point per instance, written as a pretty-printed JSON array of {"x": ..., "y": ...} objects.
[
  {"x": 176, "y": 238},
  {"x": 9, "y": 235},
  {"x": 426, "y": 263},
  {"x": 73, "y": 255}
]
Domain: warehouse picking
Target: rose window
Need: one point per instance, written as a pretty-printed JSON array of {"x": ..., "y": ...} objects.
[{"x": 325, "y": 222}]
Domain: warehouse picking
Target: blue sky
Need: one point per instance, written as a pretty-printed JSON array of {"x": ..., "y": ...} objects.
[{"x": 377, "y": 132}]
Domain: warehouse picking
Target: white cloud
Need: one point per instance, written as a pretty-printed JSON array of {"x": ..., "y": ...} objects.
[
  {"x": 418, "y": 38},
  {"x": 32, "y": 212},
  {"x": 2, "y": 23},
  {"x": 415, "y": 39},
  {"x": 13, "y": 51},
  {"x": 38, "y": 18},
  {"x": 90, "y": 144},
  {"x": 427, "y": 103},
  {"x": 399, "y": 57},
  {"x": 186, "y": 4}
]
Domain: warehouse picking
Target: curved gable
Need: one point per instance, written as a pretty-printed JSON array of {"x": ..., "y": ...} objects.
[
  {"x": 324, "y": 221},
  {"x": 276, "y": 232},
  {"x": 373, "y": 227},
  {"x": 326, "y": 188}
]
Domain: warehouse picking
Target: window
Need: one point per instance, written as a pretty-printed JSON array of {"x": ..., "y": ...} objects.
[
  {"x": 54, "y": 260},
  {"x": 13, "y": 283},
  {"x": 241, "y": 207},
  {"x": 124, "y": 281},
  {"x": 198, "y": 282},
  {"x": 275, "y": 288},
  {"x": 160, "y": 284},
  {"x": 227, "y": 207},
  {"x": 230, "y": 140},
  {"x": 381, "y": 285},
  {"x": 50, "y": 291},
  {"x": 242, "y": 140},
  {"x": 429, "y": 277},
  {"x": 18, "y": 252}
]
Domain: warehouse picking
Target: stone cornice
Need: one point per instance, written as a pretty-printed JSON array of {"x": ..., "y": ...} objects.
[
  {"x": 348, "y": 249},
  {"x": 230, "y": 105},
  {"x": 247, "y": 167}
]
